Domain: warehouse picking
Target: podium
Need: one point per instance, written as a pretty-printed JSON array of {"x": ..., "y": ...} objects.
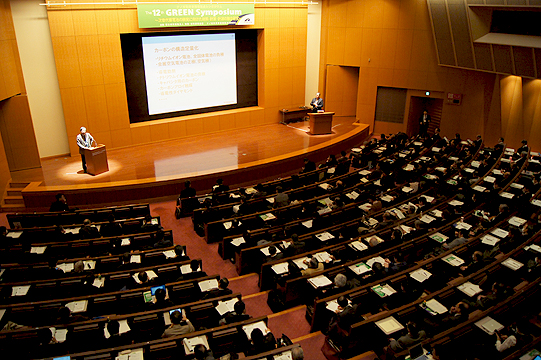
[
  {"x": 320, "y": 123},
  {"x": 96, "y": 160}
]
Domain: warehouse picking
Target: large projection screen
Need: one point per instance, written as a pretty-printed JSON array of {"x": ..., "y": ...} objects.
[{"x": 175, "y": 74}]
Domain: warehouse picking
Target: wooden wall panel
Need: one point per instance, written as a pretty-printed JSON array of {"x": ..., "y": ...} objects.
[
  {"x": 86, "y": 44},
  {"x": 11, "y": 82},
  {"x": 5, "y": 175},
  {"x": 18, "y": 134},
  {"x": 503, "y": 62},
  {"x": 524, "y": 61},
  {"x": 531, "y": 91},
  {"x": 511, "y": 90}
]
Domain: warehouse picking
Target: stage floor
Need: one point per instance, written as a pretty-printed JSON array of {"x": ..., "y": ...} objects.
[{"x": 191, "y": 156}]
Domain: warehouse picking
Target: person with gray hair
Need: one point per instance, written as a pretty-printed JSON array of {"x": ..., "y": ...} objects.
[
  {"x": 84, "y": 141},
  {"x": 340, "y": 280},
  {"x": 297, "y": 353}
]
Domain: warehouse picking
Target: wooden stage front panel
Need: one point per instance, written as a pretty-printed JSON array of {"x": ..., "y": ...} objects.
[{"x": 240, "y": 157}]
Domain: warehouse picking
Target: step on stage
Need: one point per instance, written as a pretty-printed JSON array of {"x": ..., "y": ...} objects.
[{"x": 240, "y": 158}]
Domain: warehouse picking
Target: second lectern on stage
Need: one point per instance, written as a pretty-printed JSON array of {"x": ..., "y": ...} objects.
[
  {"x": 96, "y": 160},
  {"x": 321, "y": 123}
]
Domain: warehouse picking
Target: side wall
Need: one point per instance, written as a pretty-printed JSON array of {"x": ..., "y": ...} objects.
[
  {"x": 86, "y": 43},
  {"x": 392, "y": 43}
]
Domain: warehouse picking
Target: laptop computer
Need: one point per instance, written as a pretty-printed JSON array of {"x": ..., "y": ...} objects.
[
  {"x": 417, "y": 353},
  {"x": 154, "y": 288}
]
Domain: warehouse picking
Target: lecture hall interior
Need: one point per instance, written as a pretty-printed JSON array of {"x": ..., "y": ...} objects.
[{"x": 474, "y": 65}]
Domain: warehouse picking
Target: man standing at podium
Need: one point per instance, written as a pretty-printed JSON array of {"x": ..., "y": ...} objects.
[
  {"x": 84, "y": 141},
  {"x": 317, "y": 103}
]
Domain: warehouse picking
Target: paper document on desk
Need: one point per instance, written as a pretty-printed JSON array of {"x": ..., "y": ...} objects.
[
  {"x": 365, "y": 207},
  {"x": 360, "y": 268},
  {"x": 77, "y": 306},
  {"x": 516, "y": 186},
  {"x": 124, "y": 328},
  {"x": 376, "y": 259},
  {"x": 308, "y": 224},
  {"x": 286, "y": 355},
  {"x": 420, "y": 275},
  {"x": 190, "y": 344},
  {"x": 456, "y": 203},
  {"x": 170, "y": 254},
  {"x": 506, "y": 195},
  {"x": 387, "y": 198},
  {"x": 208, "y": 285},
  {"x": 479, "y": 188},
  {"x": 324, "y": 186},
  {"x": 267, "y": 217},
  {"x": 353, "y": 195},
  {"x": 135, "y": 354},
  {"x": 266, "y": 251},
  {"x": 135, "y": 259},
  {"x": 475, "y": 164},
  {"x": 14, "y": 234},
  {"x": 228, "y": 224},
  {"x": 453, "y": 260},
  {"x": 436, "y": 306},
  {"x": 98, "y": 282},
  {"x": 324, "y": 236},
  {"x": 500, "y": 233},
  {"x": 358, "y": 245},
  {"x": 65, "y": 267},
  {"x": 364, "y": 172},
  {"x": 281, "y": 268},
  {"x": 463, "y": 225},
  {"x": 490, "y": 240},
  {"x": 300, "y": 263},
  {"x": 512, "y": 264},
  {"x": 323, "y": 256},
  {"x": 389, "y": 325},
  {"x": 37, "y": 249},
  {"x": 89, "y": 264},
  {"x": 125, "y": 242},
  {"x": 333, "y": 305},
  {"x": 226, "y": 306},
  {"x": 516, "y": 221},
  {"x": 238, "y": 241},
  {"x": 536, "y": 202},
  {"x": 490, "y": 179},
  {"x": 20, "y": 290},
  {"x": 427, "y": 219},
  {"x": 320, "y": 281},
  {"x": 383, "y": 290},
  {"x": 258, "y": 325},
  {"x": 469, "y": 289}
]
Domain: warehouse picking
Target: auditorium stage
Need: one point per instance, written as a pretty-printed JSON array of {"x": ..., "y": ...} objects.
[{"x": 155, "y": 170}]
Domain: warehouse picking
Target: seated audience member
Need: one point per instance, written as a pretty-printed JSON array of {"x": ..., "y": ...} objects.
[
  {"x": 61, "y": 204},
  {"x": 196, "y": 271},
  {"x": 297, "y": 353},
  {"x": 478, "y": 262},
  {"x": 309, "y": 165},
  {"x": 161, "y": 301},
  {"x": 189, "y": 194},
  {"x": 281, "y": 199},
  {"x": 504, "y": 341},
  {"x": 237, "y": 315},
  {"x": 219, "y": 187},
  {"x": 201, "y": 353},
  {"x": 341, "y": 284},
  {"x": 89, "y": 231},
  {"x": 221, "y": 291},
  {"x": 457, "y": 314},
  {"x": 64, "y": 316},
  {"x": 314, "y": 266},
  {"x": 148, "y": 226},
  {"x": 261, "y": 343},
  {"x": 461, "y": 239},
  {"x": 274, "y": 254},
  {"x": 498, "y": 293},
  {"x": 111, "y": 228},
  {"x": 143, "y": 278},
  {"x": 115, "y": 339},
  {"x": 413, "y": 337},
  {"x": 180, "y": 325},
  {"x": 295, "y": 246},
  {"x": 179, "y": 250},
  {"x": 345, "y": 315},
  {"x": 162, "y": 242}
]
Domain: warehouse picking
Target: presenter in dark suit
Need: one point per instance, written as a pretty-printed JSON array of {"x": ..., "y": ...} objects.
[
  {"x": 84, "y": 141},
  {"x": 424, "y": 121},
  {"x": 316, "y": 103}
]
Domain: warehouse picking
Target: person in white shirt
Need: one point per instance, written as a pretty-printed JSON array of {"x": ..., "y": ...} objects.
[
  {"x": 504, "y": 341},
  {"x": 84, "y": 141}
]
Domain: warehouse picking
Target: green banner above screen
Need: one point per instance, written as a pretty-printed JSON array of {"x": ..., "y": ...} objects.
[{"x": 176, "y": 15}]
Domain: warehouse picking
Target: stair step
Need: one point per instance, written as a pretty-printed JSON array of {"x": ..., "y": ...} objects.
[
  {"x": 18, "y": 185},
  {"x": 14, "y": 200},
  {"x": 13, "y": 208},
  {"x": 14, "y": 192}
]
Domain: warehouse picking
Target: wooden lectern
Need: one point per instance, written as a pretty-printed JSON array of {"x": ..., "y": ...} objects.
[
  {"x": 96, "y": 160},
  {"x": 320, "y": 123}
]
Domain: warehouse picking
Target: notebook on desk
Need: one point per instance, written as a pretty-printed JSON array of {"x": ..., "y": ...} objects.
[{"x": 417, "y": 353}]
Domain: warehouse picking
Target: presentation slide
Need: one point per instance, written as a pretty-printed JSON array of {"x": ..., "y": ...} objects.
[{"x": 184, "y": 72}]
